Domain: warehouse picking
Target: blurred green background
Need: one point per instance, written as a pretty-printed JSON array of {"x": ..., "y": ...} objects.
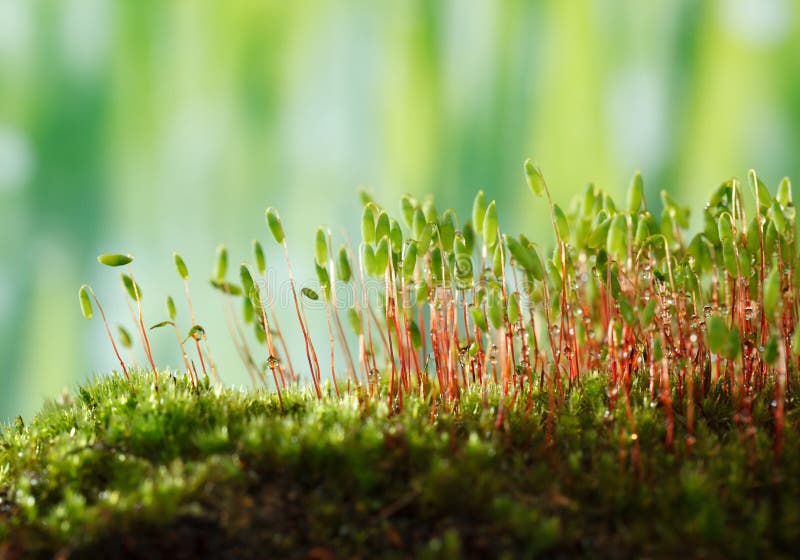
[{"x": 147, "y": 127}]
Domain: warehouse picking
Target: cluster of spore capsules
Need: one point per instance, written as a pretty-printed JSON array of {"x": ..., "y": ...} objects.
[{"x": 443, "y": 305}]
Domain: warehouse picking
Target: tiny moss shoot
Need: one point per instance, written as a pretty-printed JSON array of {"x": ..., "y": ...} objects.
[{"x": 625, "y": 391}]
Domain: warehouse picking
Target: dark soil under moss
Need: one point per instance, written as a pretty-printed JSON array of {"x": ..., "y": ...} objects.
[{"x": 120, "y": 471}]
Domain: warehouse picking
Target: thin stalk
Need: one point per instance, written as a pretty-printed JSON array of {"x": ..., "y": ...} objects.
[
  {"x": 110, "y": 336},
  {"x": 146, "y": 341},
  {"x": 313, "y": 364},
  {"x": 194, "y": 322}
]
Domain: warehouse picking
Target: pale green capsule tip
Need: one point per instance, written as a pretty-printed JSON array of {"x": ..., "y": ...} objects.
[
  {"x": 407, "y": 207},
  {"x": 321, "y": 247},
  {"x": 355, "y": 321},
  {"x": 171, "y": 308},
  {"x": 114, "y": 259},
  {"x": 275, "y": 225},
  {"x": 495, "y": 308},
  {"x": 724, "y": 228},
  {"x": 513, "y": 308},
  {"x": 133, "y": 289},
  {"x": 479, "y": 210},
  {"x": 365, "y": 197},
  {"x": 490, "y": 224},
  {"x": 616, "y": 243},
  {"x": 180, "y": 266},
  {"x": 221, "y": 266},
  {"x": 195, "y": 332},
  {"x": 772, "y": 293},
  {"x": 310, "y": 294},
  {"x": 247, "y": 279},
  {"x": 534, "y": 177},
  {"x": 258, "y": 254},
  {"x": 562, "y": 225},
  {"x": 382, "y": 226},
  {"x": 124, "y": 337},
  {"x": 343, "y": 271},
  {"x": 382, "y": 256},
  {"x": 635, "y": 192},
  {"x": 785, "y": 192},
  {"x": 85, "y": 301},
  {"x": 368, "y": 225}
]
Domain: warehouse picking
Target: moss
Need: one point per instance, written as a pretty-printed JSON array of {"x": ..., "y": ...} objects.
[{"x": 120, "y": 470}]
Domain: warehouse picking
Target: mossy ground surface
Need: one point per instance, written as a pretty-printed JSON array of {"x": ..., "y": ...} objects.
[{"x": 118, "y": 470}]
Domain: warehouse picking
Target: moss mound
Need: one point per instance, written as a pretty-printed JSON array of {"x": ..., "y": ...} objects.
[{"x": 119, "y": 470}]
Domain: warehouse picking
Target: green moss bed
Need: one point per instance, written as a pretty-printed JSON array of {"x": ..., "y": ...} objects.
[{"x": 118, "y": 470}]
